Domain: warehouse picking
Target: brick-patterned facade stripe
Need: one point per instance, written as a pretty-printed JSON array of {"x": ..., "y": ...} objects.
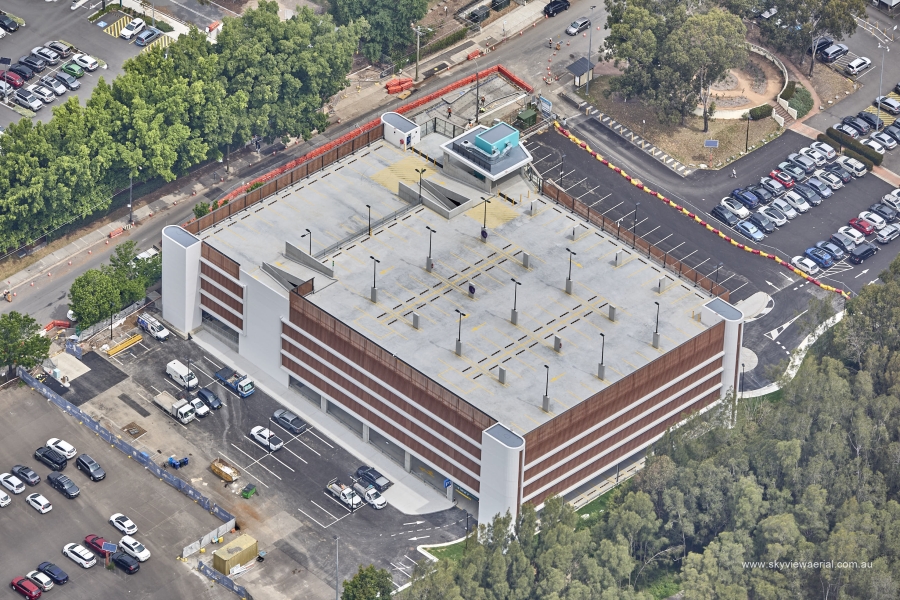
[
  {"x": 313, "y": 379},
  {"x": 221, "y": 261},
  {"x": 221, "y": 296},
  {"x": 349, "y": 376},
  {"x": 220, "y": 311},
  {"x": 220, "y": 279}
]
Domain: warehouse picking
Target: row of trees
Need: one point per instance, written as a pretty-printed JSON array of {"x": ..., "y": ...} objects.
[
  {"x": 796, "y": 500},
  {"x": 390, "y": 23},
  {"x": 170, "y": 110}
]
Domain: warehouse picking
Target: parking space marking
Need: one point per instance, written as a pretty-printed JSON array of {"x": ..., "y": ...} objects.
[
  {"x": 116, "y": 28},
  {"x": 313, "y": 520},
  {"x": 320, "y": 439},
  {"x": 293, "y": 438},
  {"x": 323, "y": 510},
  {"x": 295, "y": 454},
  {"x": 337, "y": 502},
  {"x": 211, "y": 362},
  {"x": 255, "y": 461},
  {"x": 204, "y": 372},
  {"x": 179, "y": 388}
]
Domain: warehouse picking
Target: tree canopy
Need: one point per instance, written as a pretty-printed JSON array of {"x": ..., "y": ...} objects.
[
  {"x": 369, "y": 583},
  {"x": 389, "y": 22},
  {"x": 21, "y": 342},
  {"x": 171, "y": 109}
]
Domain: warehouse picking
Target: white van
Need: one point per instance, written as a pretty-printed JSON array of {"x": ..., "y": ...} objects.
[
  {"x": 181, "y": 375},
  {"x": 856, "y": 168},
  {"x": 153, "y": 327}
]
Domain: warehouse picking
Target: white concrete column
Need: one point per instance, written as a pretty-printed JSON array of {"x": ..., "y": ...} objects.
[
  {"x": 365, "y": 433},
  {"x": 407, "y": 461},
  {"x": 501, "y": 476},
  {"x": 181, "y": 278}
]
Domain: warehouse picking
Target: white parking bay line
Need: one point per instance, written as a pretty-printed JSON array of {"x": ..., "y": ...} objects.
[
  {"x": 256, "y": 461},
  {"x": 245, "y": 469},
  {"x": 307, "y": 445},
  {"x": 211, "y": 362},
  {"x": 284, "y": 465},
  {"x": 323, "y": 510},
  {"x": 204, "y": 372},
  {"x": 177, "y": 387},
  {"x": 295, "y": 454},
  {"x": 320, "y": 439},
  {"x": 313, "y": 520}
]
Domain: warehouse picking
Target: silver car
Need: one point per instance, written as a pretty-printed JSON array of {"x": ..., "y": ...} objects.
[
  {"x": 26, "y": 99},
  {"x": 884, "y": 139},
  {"x": 786, "y": 209},
  {"x": 53, "y": 84},
  {"x": 578, "y": 26},
  {"x": 797, "y": 201},
  {"x": 774, "y": 215}
]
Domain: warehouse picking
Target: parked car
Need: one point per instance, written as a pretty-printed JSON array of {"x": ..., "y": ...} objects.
[
  {"x": 805, "y": 264},
  {"x": 809, "y": 194},
  {"x": 5, "y": 500},
  {"x": 12, "y": 483},
  {"x": 51, "y": 458},
  {"x": 782, "y": 177},
  {"x": 44, "y": 583},
  {"x": 33, "y": 62},
  {"x": 764, "y": 195},
  {"x": 27, "y": 475},
  {"x": 872, "y": 119},
  {"x": 554, "y": 7},
  {"x": 857, "y": 65},
  {"x": 820, "y": 44},
  {"x": 39, "y": 503},
  {"x": 745, "y": 197},
  {"x": 133, "y": 28},
  {"x": 839, "y": 171},
  {"x": 58, "y": 576},
  {"x": 65, "y": 485},
  {"x": 873, "y": 144},
  {"x": 738, "y": 209},
  {"x": 886, "y": 212},
  {"x": 862, "y": 127},
  {"x": 750, "y": 231},
  {"x": 22, "y": 71},
  {"x": 147, "y": 36},
  {"x": 12, "y": 79},
  {"x": 773, "y": 186},
  {"x": 295, "y": 424},
  {"x": 846, "y": 129},
  {"x": 856, "y": 168},
  {"x": 820, "y": 257},
  {"x": 123, "y": 524},
  {"x": 67, "y": 80},
  {"x": 876, "y": 221},
  {"x": 862, "y": 252},
  {"x": 833, "y": 52},
  {"x": 578, "y": 25},
  {"x": 893, "y": 131},
  {"x": 64, "y": 50},
  {"x": 825, "y": 149},
  {"x": 786, "y": 209},
  {"x": 73, "y": 70},
  {"x": 200, "y": 409},
  {"x": 373, "y": 478},
  {"x": 95, "y": 543},
  {"x": 888, "y": 234},
  {"x": 774, "y": 215},
  {"x": 51, "y": 83},
  {"x": 25, "y": 588},
  {"x": 86, "y": 62},
  {"x": 48, "y": 55},
  {"x": 63, "y": 447},
  {"x": 884, "y": 139},
  {"x": 80, "y": 555},
  {"x": 266, "y": 438},
  {"x": 892, "y": 199},
  {"x": 133, "y": 547},
  {"x": 833, "y": 250},
  {"x": 126, "y": 562},
  {"x": 843, "y": 241},
  {"x": 887, "y": 104},
  {"x": 862, "y": 226},
  {"x": 820, "y": 187},
  {"x": 90, "y": 467},
  {"x": 814, "y": 155},
  {"x": 209, "y": 398},
  {"x": 793, "y": 170},
  {"x": 26, "y": 99},
  {"x": 804, "y": 162},
  {"x": 854, "y": 234},
  {"x": 829, "y": 179},
  {"x": 797, "y": 201},
  {"x": 43, "y": 94},
  {"x": 8, "y": 24},
  {"x": 762, "y": 222}
]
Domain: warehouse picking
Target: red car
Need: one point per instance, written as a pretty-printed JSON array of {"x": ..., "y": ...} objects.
[
  {"x": 783, "y": 178},
  {"x": 13, "y": 79},
  {"x": 26, "y": 588},
  {"x": 862, "y": 226},
  {"x": 95, "y": 544}
]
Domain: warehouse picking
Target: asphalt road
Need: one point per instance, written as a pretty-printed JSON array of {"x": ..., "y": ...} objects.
[
  {"x": 295, "y": 476},
  {"x": 166, "y": 519}
]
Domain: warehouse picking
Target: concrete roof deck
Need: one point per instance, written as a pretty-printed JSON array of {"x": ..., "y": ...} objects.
[{"x": 489, "y": 339}]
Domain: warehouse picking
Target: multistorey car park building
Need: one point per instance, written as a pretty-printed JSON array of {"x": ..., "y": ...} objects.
[{"x": 438, "y": 305}]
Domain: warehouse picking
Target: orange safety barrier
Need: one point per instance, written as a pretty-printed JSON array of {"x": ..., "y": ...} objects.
[
  {"x": 473, "y": 54},
  {"x": 55, "y": 324},
  {"x": 116, "y": 232}
]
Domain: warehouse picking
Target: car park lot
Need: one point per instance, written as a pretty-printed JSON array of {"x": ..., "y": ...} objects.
[
  {"x": 167, "y": 520},
  {"x": 47, "y": 21},
  {"x": 291, "y": 481}
]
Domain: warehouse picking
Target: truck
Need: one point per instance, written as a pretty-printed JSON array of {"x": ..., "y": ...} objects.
[
  {"x": 343, "y": 493},
  {"x": 152, "y": 326},
  {"x": 368, "y": 493},
  {"x": 234, "y": 381},
  {"x": 180, "y": 410}
]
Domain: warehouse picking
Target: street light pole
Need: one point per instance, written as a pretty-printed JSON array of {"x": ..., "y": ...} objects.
[
  {"x": 131, "y": 182},
  {"x": 420, "y": 172},
  {"x": 309, "y": 235},
  {"x": 562, "y": 166},
  {"x": 369, "y": 206},
  {"x": 657, "y": 318},
  {"x": 747, "y": 143},
  {"x": 337, "y": 581},
  {"x": 590, "y": 50},
  {"x": 375, "y": 263},
  {"x": 459, "y": 329},
  {"x": 486, "y": 202},
  {"x": 634, "y": 224},
  {"x": 515, "y": 290},
  {"x": 884, "y": 49},
  {"x": 742, "y": 381}
]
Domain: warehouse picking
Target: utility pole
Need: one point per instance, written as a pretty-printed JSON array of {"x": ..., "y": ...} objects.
[
  {"x": 590, "y": 50},
  {"x": 419, "y": 31}
]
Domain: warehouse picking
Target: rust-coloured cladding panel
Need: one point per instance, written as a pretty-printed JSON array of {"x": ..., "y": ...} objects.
[
  {"x": 220, "y": 279},
  {"x": 621, "y": 452},
  {"x": 221, "y": 297},
  {"x": 222, "y": 262},
  {"x": 554, "y": 433},
  {"x": 447, "y": 468},
  {"x": 381, "y": 364},
  {"x": 221, "y": 312},
  {"x": 348, "y": 377}
]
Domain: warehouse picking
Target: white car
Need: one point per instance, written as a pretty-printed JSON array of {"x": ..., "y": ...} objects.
[
  {"x": 857, "y": 65},
  {"x": 814, "y": 155},
  {"x": 797, "y": 201},
  {"x": 4, "y": 499},
  {"x": 857, "y": 236},
  {"x": 46, "y": 96},
  {"x": 80, "y": 555},
  {"x": 201, "y": 409},
  {"x": 132, "y": 29},
  {"x": 825, "y": 149},
  {"x": 892, "y": 199},
  {"x": 829, "y": 179},
  {"x": 774, "y": 215},
  {"x": 884, "y": 139},
  {"x": 47, "y": 54},
  {"x": 266, "y": 438},
  {"x": 43, "y": 582},
  {"x": 877, "y": 221},
  {"x": 785, "y": 208},
  {"x": 12, "y": 483},
  {"x": 805, "y": 264},
  {"x": 39, "y": 503},
  {"x": 53, "y": 84},
  {"x": 123, "y": 524},
  {"x": 889, "y": 233},
  {"x": 131, "y": 546},
  {"x": 874, "y": 145},
  {"x": 735, "y": 207},
  {"x": 63, "y": 447},
  {"x": 86, "y": 62}
]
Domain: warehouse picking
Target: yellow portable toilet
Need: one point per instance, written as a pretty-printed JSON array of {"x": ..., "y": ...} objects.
[{"x": 235, "y": 553}]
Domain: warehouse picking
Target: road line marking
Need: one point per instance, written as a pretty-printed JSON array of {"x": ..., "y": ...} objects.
[
  {"x": 272, "y": 454},
  {"x": 340, "y": 519},
  {"x": 320, "y": 439},
  {"x": 179, "y": 388},
  {"x": 313, "y": 520},
  {"x": 323, "y": 510},
  {"x": 204, "y": 372},
  {"x": 211, "y": 362},
  {"x": 295, "y": 454},
  {"x": 245, "y": 469},
  {"x": 155, "y": 390}
]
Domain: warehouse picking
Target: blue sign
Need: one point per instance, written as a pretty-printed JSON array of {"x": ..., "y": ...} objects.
[
  {"x": 711, "y": 144},
  {"x": 108, "y": 547},
  {"x": 447, "y": 483},
  {"x": 546, "y": 106}
]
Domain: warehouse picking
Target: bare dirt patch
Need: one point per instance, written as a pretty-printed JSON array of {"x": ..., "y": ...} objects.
[{"x": 831, "y": 86}]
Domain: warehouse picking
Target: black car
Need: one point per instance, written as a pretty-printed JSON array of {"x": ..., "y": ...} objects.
[
  {"x": 820, "y": 44},
  {"x": 126, "y": 562},
  {"x": 67, "y": 80},
  {"x": 762, "y": 222},
  {"x": 8, "y": 24},
  {"x": 724, "y": 215},
  {"x": 373, "y": 478},
  {"x": 809, "y": 194},
  {"x": 862, "y": 252},
  {"x": 871, "y": 119},
  {"x": 90, "y": 467},
  {"x": 35, "y": 63},
  {"x": 840, "y": 171},
  {"x": 764, "y": 195},
  {"x": 51, "y": 458},
  {"x": 209, "y": 398},
  {"x": 833, "y": 250},
  {"x": 58, "y": 576},
  {"x": 290, "y": 421},
  {"x": 27, "y": 476},
  {"x": 65, "y": 485},
  {"x": 885, "y": 212},
  {"x": 554, "y": 7},
  {"x": 893, "y": 131},
  {"x": 858, "y": 124},
  {"x": 833, "y": 52},
  {"x": 22, "y": 71}
]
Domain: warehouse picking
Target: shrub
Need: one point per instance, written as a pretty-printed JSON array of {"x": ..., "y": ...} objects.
[
  {"x": 852, "y": 145},
  {"x": 789, "y": 90},
  {"x": 865, "y": 161},
  {"x": 444, "y": 42},
  {"x": 802, "y": 101},
  {"x": 761, "y": 112}
]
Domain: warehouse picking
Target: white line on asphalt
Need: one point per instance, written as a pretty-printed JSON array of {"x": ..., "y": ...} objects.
[
  {"x": 211, "y": 362},
  {"x": 177, "y": 387},
  {"x": 676, "y": 247},
  {"x": 204, "y": 372},
  {"x": 686, "y": 257},
  {"x": 336, "y": 501},
  {"x": 662, "y": 240},
  {"x": 120, "y": 362},
  {"x": 727, "y": 278},
  {"x": 244, "y": 469},
  {"x": 647, "y": 235},
  {"x": 415, "y": 523},
  {"x": 698, "y": 266},
  {"x": 349, "y": 512},
  {"x": 579, "y": 183},
  {"x": 401, "y": 568},
  {"x": 307, "y": 445},
  {"x": 295, "y": 454},
  {"x": 739, "y": 287},
  {"x": 313, "y": 520},
  {"x": 155, "y": 390},
  {"x": 256, "y": 461},
  {"x": 614, "y": 207},
  {"x": 588, "y": 192},
  {"x": 540, "y": 159},
  {"x": 320, "y": 439},
  {"x": 272, "y": 454},
  {"x": 143, "y": 346},
  {"x": 323, "y": 510}
]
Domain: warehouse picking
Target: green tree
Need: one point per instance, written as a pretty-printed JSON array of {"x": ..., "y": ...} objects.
[
  {"x": 369, "y": 583},
  {"x": 389, "y": 23},
  {"x": 94, "y": 296},
  {"x": 21, "y": 342},
  {"x": 201, "y": 209}
]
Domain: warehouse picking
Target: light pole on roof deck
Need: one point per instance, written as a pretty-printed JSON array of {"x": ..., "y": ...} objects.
[{"x": 309, "y": 235}]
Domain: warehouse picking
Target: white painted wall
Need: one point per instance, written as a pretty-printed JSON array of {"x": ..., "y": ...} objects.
[
  {"x": 264, "y": 307},
  {"x": 180, "y": 279},
  {"x": 500, "y": 473}
]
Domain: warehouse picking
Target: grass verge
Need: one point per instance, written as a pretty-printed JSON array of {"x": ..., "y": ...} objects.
[{"x": 453, "y": 552}]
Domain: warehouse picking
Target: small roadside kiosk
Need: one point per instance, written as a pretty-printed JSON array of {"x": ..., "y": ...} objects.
[
  {"x": 583, "y": 70},
  {"x": 400, "y": 131}
]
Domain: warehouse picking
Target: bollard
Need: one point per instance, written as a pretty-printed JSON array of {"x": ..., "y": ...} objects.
[
  {"x": 612, "y": 313},
  {"x": 601, "y": 371},
  {"x": 655, "y": 339},
  {"x": 501, "y": 375},
  {"x": 557, "y": 343},
  {"x": 415, "y": 320},
  {"x": 526, "y": 260}
]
